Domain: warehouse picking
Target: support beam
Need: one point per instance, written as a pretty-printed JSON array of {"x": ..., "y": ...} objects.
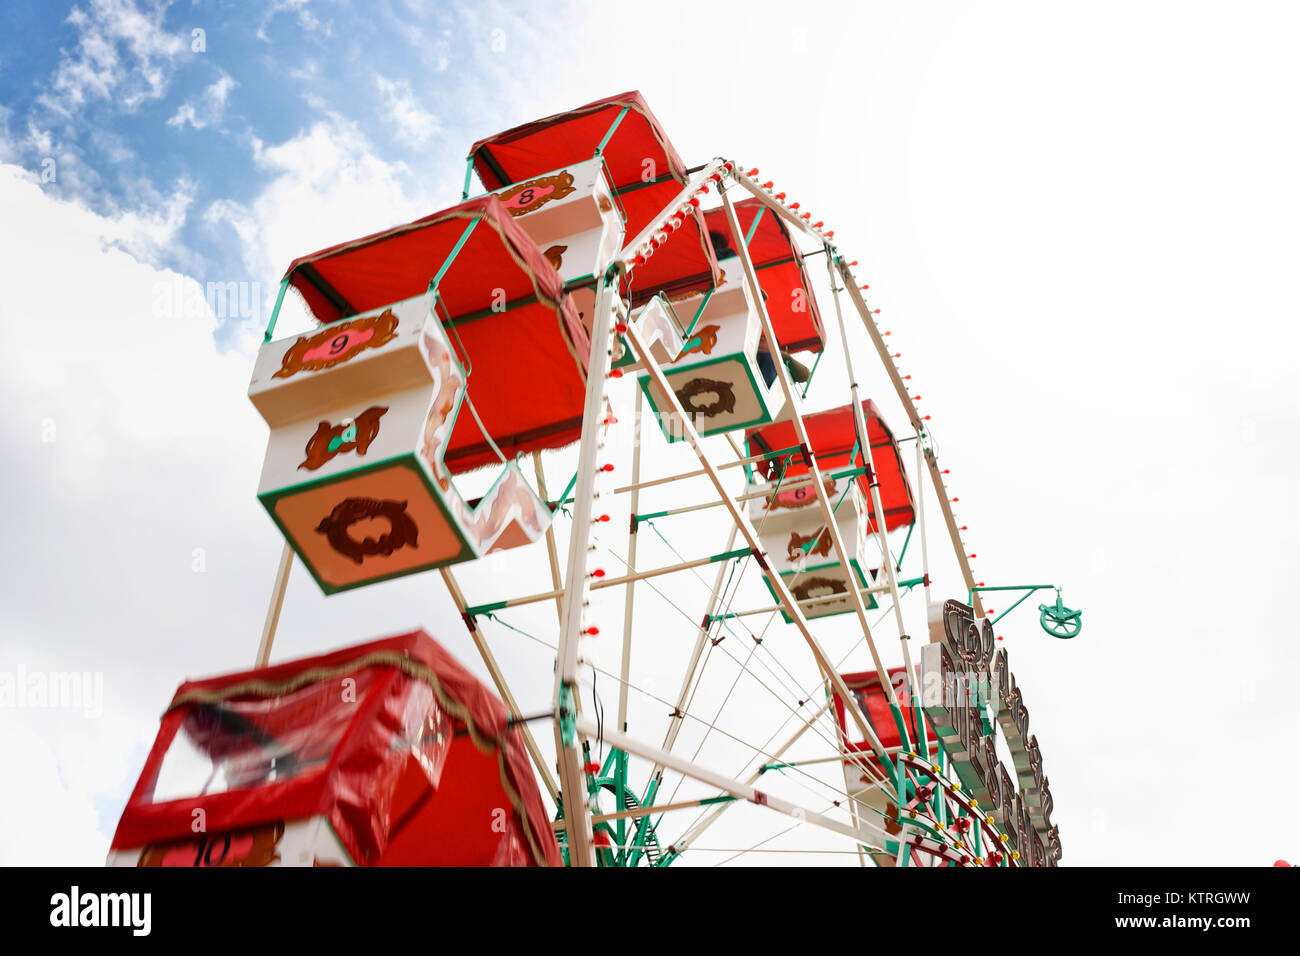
[
  {"x": 697, "y": 473},
  {"x": 503, "y": 688},
  {"x": 571, "y": 753},
  {"x": 878, "y": 511},
  {"x": 725, "y": 784},
  {"x": 603, "y": 583},
  {"x": 552, "y": 553},
  {"x": 640, "y": 245},
  {"x": 273, "y": 610},
  {"x": 811, "y": 602},
  {"x": 629, "y": 596},
  {"x": 637, "y": 812},
  {"x": 920, "y": 528},
  {"x": 800, "y": 224},
  {"x": 789, "y": 485}
]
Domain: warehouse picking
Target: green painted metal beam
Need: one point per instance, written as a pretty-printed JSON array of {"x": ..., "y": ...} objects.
[{"x": 275, "y": 312}]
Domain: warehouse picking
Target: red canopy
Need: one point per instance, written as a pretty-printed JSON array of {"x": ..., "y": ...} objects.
[
  {"x": 408, "y": 770},
  {"x": 636, "y": 149},
  {"x": 871, "y": 698},
  {"x": 833, "y": 438},
  {"x": 781, "y": 274},
  {"x": 527, "y": 364}
]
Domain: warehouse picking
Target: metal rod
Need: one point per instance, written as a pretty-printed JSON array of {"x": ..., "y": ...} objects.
[
  {"x": 678, "y": 716},
  {"x": 1023, "y": 598},
  {"x": 451, "y": 256},
  {"x": 810, "y": 602},
  {"x": 920, "y": 522},
  {"x": 275, "y": 312},
  {"x": 601, "y": 583},
  {"x": 698, "y": 473},
  {"x": 725, "y": 784},
  {"x": 629, "y": 252},
  {"x": 469, "y": 168},
  {"x": 552, "y": 553},
  {"x": 573, "y": 781},
  {"x": 638, "y": 812},
  {"x": 513, "y": 721},
  {"x": 629, "y": 595},
  {"x": 503, "y": 688},
  {"x": 831, "y": 759},
  {"x": 273, "y": 610},
  {"x": 877, "y": 516},
  {"x": 600, "y": 147},
  {"x": 749, "y": 496}
]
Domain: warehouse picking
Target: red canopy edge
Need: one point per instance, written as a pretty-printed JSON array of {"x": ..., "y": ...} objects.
[
  {"x": 398, "y": 263},
  {"x": 832, "y": 435},
  {"x": 776, "y": 256},
  {"x": 414, "y": 654},
  {"x": 685, "y": 261},
  {"x": 491, "y": 174},
  {"x": 546, "y": 282}
]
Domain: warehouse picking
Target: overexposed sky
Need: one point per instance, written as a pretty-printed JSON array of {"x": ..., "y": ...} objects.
[{"x": 1078, "y": 221}]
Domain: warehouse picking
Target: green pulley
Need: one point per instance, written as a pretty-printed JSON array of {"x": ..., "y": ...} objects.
[{"x": 1059, "y": 620}]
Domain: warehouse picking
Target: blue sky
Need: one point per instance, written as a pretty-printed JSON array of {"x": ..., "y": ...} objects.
[
  {"x": 1078, "y": 221},
  {"x": 165, "y": 108}
]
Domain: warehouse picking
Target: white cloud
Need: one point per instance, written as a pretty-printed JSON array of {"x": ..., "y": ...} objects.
[
  {"x": 326, "y": 185},
  {"x": 38, "y": 140},
  {"x": 47, "y": 821},
  {"x": 123, "y": 53},
  {"x": 148, "y": 232},
  {"x": 116, "y": 400},
  {"x": 414, "y": 123},
  {"x": 304, "y": 17},
  {"x": 209, "y": 108}
]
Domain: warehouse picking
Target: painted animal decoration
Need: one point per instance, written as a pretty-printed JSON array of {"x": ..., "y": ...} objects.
[
  {"x": 818, "y": 587},
  {"x": 702, "y": 341},
  {"x": 802, "y": 545},
  {"x": 555, "y": 255},
  {"x": 402, "y": 530},
  {"x": 354, "y": 434},
  {"x": 724, "y": 400}
]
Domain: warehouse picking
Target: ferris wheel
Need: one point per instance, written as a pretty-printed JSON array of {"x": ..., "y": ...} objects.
[{"x": 619, "y": 406}]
